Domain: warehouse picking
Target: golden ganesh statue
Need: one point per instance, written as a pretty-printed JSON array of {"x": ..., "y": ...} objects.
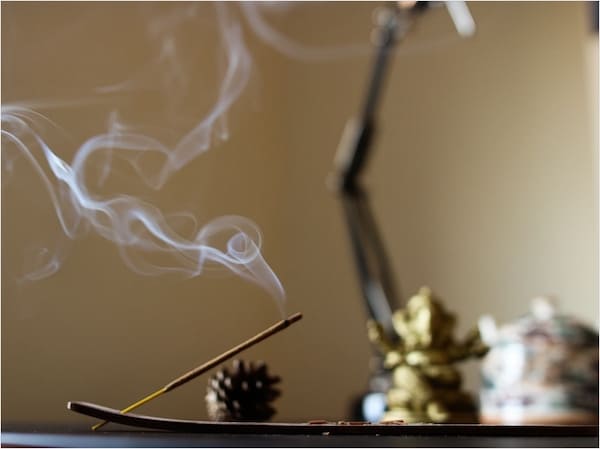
[{"x": 426, "y": 386}]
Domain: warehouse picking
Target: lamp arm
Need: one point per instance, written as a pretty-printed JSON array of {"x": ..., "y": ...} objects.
[
  {"x": 357, "y": 138},
  {"x": 369, "y": 254}
]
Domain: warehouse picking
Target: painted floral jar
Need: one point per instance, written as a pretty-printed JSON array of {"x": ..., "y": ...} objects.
[{"x": 541, "y": 369}]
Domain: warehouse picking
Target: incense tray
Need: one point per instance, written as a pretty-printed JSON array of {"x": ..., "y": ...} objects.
[{"x": 322, "y": 427}]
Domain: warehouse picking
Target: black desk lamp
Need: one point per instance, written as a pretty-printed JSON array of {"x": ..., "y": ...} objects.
[{"x": 373, "y": 267}]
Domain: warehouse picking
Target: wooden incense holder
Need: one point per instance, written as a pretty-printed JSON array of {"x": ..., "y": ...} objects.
[{"x": 323, "y": 427}]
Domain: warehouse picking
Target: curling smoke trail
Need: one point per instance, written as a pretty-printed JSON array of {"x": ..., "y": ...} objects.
[
  {"x": 289, "y": 47},
  {"x": 140, "y": 229}
]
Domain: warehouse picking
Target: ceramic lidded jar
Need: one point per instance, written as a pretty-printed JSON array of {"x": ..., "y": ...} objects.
[{"x": 541, "y": 369}]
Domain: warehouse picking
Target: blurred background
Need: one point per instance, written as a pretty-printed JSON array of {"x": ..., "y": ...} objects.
[{"x": 483, "y": 180}]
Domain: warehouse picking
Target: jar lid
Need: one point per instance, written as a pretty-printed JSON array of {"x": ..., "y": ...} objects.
[{"x": 542, "y": 323}]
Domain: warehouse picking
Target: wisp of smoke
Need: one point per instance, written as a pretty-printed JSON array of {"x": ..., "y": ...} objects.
[
  {"x": 139, "y": 229},
  {"x": 289, "y": 47}
]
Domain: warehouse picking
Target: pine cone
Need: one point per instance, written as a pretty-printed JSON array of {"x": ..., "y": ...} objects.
[{"x": 244, "y": 394}]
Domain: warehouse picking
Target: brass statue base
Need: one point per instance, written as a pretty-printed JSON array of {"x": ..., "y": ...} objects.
[{"x": 426, "y": 385}]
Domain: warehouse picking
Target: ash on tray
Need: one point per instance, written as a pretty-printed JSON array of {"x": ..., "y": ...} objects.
[{"x": 353, "y": 423}]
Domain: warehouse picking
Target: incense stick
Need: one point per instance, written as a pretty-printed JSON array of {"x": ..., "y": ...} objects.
[{"x": 192, "y": 374}]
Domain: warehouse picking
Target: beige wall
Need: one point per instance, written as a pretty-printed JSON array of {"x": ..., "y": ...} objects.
[{"x": 483, "y": 181}]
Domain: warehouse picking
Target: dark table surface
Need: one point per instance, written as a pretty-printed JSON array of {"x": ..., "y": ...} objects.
[{"x": 121, "y": 436}]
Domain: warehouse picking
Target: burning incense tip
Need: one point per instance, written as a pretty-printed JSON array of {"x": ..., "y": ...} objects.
[{"x": 293, "y": 318}]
